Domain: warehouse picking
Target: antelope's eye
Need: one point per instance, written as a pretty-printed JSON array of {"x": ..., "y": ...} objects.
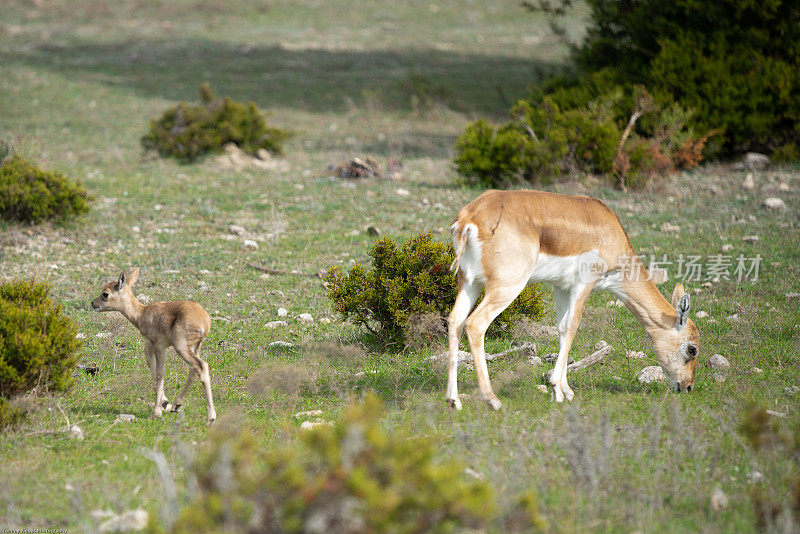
[
  {"x": 692, "y": 350},
  {"x": 105, "y": 295}
]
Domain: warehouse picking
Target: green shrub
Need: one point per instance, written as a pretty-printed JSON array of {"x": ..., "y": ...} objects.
[
  {"x": 352, "y": 477},
  {"x": 31, "y": 195},
  {"x": 37, "y": 342},
  {"x": 405, "y": 282},
  {"x": 734, "y": 63},
  {"x": 189, "y": 131}
]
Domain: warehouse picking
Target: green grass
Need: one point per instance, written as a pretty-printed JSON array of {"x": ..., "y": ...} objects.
[{"x": 79, "y": 84}]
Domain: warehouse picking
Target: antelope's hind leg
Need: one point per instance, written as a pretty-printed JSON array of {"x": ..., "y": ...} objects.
[{"x": 467, "y": 295}]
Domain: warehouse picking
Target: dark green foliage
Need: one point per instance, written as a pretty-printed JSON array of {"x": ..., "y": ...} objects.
[
  {"x": 735, "y": 63},
  {"x": 405, "y": 282},
  {"x": 421, "y": 93},
  {"x": 189, "y": 131},
  {"x": 352, "y": 477},
  {"x": 31, "y": 195},
  {"x": 37, "y": 342}
]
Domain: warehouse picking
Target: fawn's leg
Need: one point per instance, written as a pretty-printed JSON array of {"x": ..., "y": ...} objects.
[{"x": 191, "y": 354}]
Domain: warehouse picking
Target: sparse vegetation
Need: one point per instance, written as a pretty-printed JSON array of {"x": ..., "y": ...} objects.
[
  {"x": 37, "y": 343},
  {"x": 189, "y": 131},
  {"x": 405, "y": 284},
  {"x": 31, "y": 195}
]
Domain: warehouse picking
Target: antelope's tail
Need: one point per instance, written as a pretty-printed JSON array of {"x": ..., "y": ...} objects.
[{"x": 460, "y": 236}]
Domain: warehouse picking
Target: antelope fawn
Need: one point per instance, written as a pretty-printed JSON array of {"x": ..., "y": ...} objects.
[
  {"x": 182, "y": 324},
  {"x": 507, "y": 239}
]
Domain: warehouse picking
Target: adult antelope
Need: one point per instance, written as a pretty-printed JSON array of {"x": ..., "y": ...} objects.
[{"x": 507, "y": 239}]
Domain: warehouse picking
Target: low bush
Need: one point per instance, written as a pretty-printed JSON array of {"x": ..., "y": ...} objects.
[
  {"x": 404, "y": 283},
  {"x": 189, "y": 131},
  {"x": 352, "y": 477},
  {"x": 31, "y": 195},
  {"x": 37, "y": 343}
]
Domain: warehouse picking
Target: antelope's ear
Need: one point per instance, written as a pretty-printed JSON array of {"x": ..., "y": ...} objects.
[
  {"x": 122, "y": 280},
  {"x": 133, "y": 277},
  {"x": 677, "y": 293},
  {"x": 682, "y": 311}
]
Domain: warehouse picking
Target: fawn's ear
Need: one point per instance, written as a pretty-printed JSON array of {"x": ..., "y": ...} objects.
[
  {"x": 133, "y": 277},
  {"x": 677, "y": 293},
  {"x": 121, "y": 281}
]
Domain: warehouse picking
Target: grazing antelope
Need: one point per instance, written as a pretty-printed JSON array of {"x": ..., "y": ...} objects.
[
  {"x": 507, "y": 239},
  {"x": 182, "y": 324}
]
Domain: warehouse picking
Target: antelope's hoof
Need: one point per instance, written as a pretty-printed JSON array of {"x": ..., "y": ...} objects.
[
  {"x": 494, "y": 403},
  {"x": 568, "y": 393},
  {"x": 558, "y": 395},
  {"x": 165, "y": 404},
  {"x": 454, "y": 403},
  {"x": 157, "y": 412}
]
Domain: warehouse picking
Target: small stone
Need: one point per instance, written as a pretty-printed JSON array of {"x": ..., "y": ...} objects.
[
  {"x": 542, "y": 388},
  {"x": 275, "y": 324},
  {"x": 719, "y": 501},
  {"x": 773, "y": 413},
  {"x": 310, "y": 425},
  {"x": 125, "y": 418},
  {"x": 249, "y": 244},
  {"x": 727, "y": 247},
  {"x": 281, "y": 344},
  {"x": 76, "y": 432},
  {"x": 719, "y": 377},
  {"x": 306, "y": 318},
  {"x": 144, "y": 299},
  {"x": 753, "y": 161},
  {"x": 756, "y": 370},
  {"x": 701, "y": 315},
  {"x": 130, "y": 520},
  {"x": 310, "y": 413},
  {"x": 80, "y": 335},
  {"x": 749, "y": 184},
  {"x": 790, "y": 296},
  {"x": 668, "y": 227},
  {"x": 774, "y": 203},
  {"x": 534, "y": 360},
  {"x": 135, "y": 229},
  {"x": 102, "y": 334},
  {"x": 651, "y": 373},
  {"x": 635, "y": 355},
  {"x": 791, "y": 390},
  {"x": 402, "y": 192},
  {"x": 264, "y": 154},
  {"x": 472, "y": 473},
  {"x": 718, "y": 362},
  {"x": 325, "y": 320},
  {"x": 616, "y": 303},
  {"x": 783, "y": 186},
  {"x": 235, "y": 229},
  {"x": 282, "y": 312},
  {"x": 203, "y": 286},
  {"x": 373, "y": 231},
  {"x": 733, "y": 318},
  {"x": 600, "y": 344},
  {"x": 755, "y": 477},
  {"x": 750, "y": 239}
]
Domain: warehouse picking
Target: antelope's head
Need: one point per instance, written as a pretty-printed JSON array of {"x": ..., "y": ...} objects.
[
  {"x": 678, "y": 347},
  {"x": 116, "y": 294}
]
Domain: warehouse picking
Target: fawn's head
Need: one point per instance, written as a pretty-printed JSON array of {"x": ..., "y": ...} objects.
[
  {"x": 678, "y": 348},
  {"x": 116, "y": 293}
]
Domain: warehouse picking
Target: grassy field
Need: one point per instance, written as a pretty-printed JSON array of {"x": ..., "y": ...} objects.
[{"x": 79, "y": 83}]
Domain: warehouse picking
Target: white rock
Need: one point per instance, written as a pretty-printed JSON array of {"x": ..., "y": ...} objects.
[
  {"x": 733, "y": 318},
  {"x": 80, "y": 335},
  {"x": 719, "y": 377},
  {"x": 719, "y": 500},
  {"x": 309, "y": 425},
  {"x": 755, "y": 477},
  {"x": 600, "y": 344},
  {"x": 310, "y": 413},
  {"x": 130, "y": 520},
  {"x": 773, "y": 413},
  {"x": 790, "y": 296},
  {"x": 102, "y": 334},
  {"x": 236, "y": 229},
  {"x": 76, "y": 432},
  {"x": 750, "y": 239},
  {"x": 727, "y": 247},
  {"x": 472, "y": 473},
  {"x": 402, "y": 192},
  {"x": 756, "y": 370},
  {"x": 774, "y": 203},
  {"x": 325, "y": 320},
  {"x": 283, "y": 344},
  {"x": 718, "y": 362},
  {"x": 125, "y": 417},
  {"x": 306, "y": 318},
  {"x": 534, "y": 360},
  {"x": 203, "y": 286},
  {"x": 249, "y": 244},
  {"x": 135, "y": 229},
  {"x": 282, "y": 312},
  {"x": 701, "y": 315},
  {"x": 636, "y": 355},
  {"x": 275, "y": 324},
  {"x": 542, "y": 388},
  {"x": 667, "y": 227},
  {"x": 651, "y": 373},
  {"x": 783, "y": 186},
  {"x": 791, "y": 390},
  {"x": 749, "y": 184}
]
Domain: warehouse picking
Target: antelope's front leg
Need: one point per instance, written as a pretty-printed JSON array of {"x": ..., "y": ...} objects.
[
  {"x": 569, "y": 309},
  {"x": 158, "y": 382}
]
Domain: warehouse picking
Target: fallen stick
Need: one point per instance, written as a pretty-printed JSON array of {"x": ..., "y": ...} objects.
[
  {"x": 597, "y": 356},
  {"x": 269, "y": 270},
  {"x": 466, "y": 357}
]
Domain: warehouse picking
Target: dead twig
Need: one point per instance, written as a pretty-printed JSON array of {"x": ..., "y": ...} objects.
[
  {"x": 269, "y": 270},
  {"x": 466, "y": 357},
  {"x": 597, "y": 356}
]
